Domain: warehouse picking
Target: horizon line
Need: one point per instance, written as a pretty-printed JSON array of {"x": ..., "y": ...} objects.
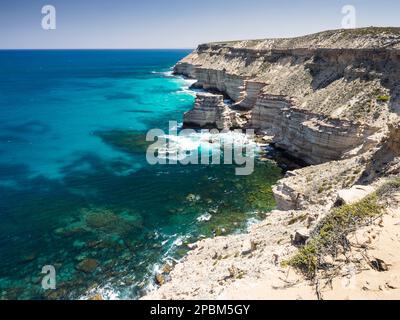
[{"x": 72, "y": 49}]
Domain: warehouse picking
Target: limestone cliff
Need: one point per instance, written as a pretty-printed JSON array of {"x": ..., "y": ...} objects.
[
  {"x": 323, "y": 97},
  {"x": 331, "y": 99}
]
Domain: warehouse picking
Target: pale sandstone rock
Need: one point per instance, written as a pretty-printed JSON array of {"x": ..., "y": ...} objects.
[
  {"x": 354, "y": 194},
  {"x": 249, "y": 96},
  {"x": 301, "y": 236},
  {"x": 210, "y": 110}
]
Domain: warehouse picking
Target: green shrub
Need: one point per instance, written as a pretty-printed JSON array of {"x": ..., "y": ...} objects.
[
  {"x": 383, "y": 98},
  {"x": 331, "y": 234}
]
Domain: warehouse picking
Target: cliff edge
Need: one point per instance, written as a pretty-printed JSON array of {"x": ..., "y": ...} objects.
[{"x": 332, "y": 100}]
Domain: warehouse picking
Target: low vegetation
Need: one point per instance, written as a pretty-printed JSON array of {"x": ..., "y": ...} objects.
[
  {"x": 371, "y": 31},
  {"x": 297, "y": 219},
  {"x": 383, "y": 98},
  {"x": 389, "y": 187},
  {"x": 330, "y": 236}
]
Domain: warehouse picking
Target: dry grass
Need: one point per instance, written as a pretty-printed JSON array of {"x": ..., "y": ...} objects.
[{"x": 330, "y": 236}]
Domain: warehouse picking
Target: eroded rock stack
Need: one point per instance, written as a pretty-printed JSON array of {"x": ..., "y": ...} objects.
[
  {"x": 322, "y": 96},
  {"x": 210, "y": 111}
]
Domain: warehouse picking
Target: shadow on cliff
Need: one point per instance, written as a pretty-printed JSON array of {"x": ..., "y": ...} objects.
[{"x": 385, "y": 161}]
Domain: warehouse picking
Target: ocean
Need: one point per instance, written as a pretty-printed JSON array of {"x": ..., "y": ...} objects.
[{"x": 76, "y": 191}]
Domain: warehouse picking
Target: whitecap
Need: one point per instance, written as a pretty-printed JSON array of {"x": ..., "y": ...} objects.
[
  {"x": 167, "y": 74},
  {"x": 107, "y": 292},
  {"x": 204, "y": 217},
  {"x": 251, "y": 222},
  {"x": 181, "y": 146}
]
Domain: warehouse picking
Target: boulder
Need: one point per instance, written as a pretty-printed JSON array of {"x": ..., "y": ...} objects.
[
  {"x": 300, "y": 237},
  {"x": 354, "y": 194},
  {"x": 87, "y": 265},
  {"x": 96, "y": 297},
  {"x": 192, "y": 246},
  {"x": 249, "y": 248},
  {"x": 160, "y": 279},
  {"x": 379, "y": 265}
]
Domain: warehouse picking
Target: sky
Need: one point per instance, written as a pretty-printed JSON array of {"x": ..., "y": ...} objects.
[{"x": 108, "y": 24}]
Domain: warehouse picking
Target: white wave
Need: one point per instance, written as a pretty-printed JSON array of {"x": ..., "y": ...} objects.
[
  {"x": 167, "y": 74},
  {"x": 176, "y": 241},
  {"x": 177, "y": 127},
  {"x": 251, "y": 222},
  {"x": 107, "y": 292},
  {"x": 204, "y": 217},
  {"x": 186, "y": 88},
  {"x": 182, "y": 146},
  {"x": 187, "y": 143},
  {"x": 185, "y": 83}
]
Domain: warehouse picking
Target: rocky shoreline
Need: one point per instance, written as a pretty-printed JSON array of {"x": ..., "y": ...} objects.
[{"x": 332, "y": 100}]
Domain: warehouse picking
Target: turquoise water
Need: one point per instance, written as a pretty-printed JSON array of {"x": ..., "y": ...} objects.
[{"x": 76, "y": 191}]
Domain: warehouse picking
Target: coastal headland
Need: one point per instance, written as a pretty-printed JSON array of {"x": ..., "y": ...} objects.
[{"x": 331, "y": 99}]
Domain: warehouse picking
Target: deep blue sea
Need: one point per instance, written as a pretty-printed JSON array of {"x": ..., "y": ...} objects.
[{"x": 76, "y": 191}]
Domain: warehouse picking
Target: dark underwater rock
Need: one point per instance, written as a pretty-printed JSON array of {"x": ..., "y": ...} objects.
[{"x": 87, "y": 265}]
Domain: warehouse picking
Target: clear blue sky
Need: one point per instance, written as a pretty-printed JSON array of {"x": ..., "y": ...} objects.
[{"x": 177, "y": 23}]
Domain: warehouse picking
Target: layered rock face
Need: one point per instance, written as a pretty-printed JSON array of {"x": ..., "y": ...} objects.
[
  {"x": 252, "y": 90},
  {"x": 229, "y": 84},
  {"x": 307, "y": 135},
  {"x": 210, "y": 111},
  {"x": 323, "y": 97}
]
